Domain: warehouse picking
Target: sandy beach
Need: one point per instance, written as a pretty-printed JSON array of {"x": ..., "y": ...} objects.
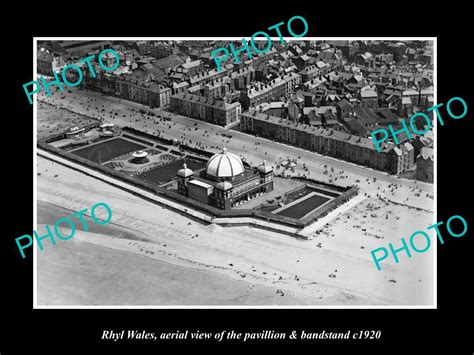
[
  {"x": 334, "y": 267},
  {"x": 80, "y": 272},
  {"x": 335, "y": 272}
]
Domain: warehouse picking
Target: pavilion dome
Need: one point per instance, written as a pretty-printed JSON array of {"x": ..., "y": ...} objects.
[
  {"x": 185, "y": 171},
  {"x": 224, "y": 165}
]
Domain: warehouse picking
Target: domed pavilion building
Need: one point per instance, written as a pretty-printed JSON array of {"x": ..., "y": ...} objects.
[{"x": 225, "y": 182}]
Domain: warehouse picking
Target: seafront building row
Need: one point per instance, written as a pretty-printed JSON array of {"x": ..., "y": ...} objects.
[
  {"x": 324, "y": 96},
  {"x": 393, "y": 159},
  {"x": 207, "y": 109}
]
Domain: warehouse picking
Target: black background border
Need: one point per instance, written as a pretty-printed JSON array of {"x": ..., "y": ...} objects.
[{"x": 407, "y": 330}]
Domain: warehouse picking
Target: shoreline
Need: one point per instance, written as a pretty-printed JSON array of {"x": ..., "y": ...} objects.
[{"x": 268, "y": 258}]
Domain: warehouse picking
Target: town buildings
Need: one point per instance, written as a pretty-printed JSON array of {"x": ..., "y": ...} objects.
[
  {"x": 337, "y": 144},
  {"x": 425, "y": 165},
  {"x": 264, "y": 92},
  {"x": 161, "y": 50},
  {"x": 74, "y": 48},
  {"x": 324, "y": 96},
  {"x": 45, "y": 62},
  {"x": 207, "y": 109}
]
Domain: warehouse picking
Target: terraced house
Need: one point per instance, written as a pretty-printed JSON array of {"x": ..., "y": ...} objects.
[
  {"x": 206, "y": 109},
  {"x": 280, "y": 86},
  {"x": 337, "y": 144}
]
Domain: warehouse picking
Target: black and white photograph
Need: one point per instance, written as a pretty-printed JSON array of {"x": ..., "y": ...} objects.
[
  {"x": 236, "y": 184},
  {"x": 189, "y": 177}
]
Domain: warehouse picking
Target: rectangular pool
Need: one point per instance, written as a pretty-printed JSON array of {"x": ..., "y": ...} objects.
[{"x": 302, "y": 208}]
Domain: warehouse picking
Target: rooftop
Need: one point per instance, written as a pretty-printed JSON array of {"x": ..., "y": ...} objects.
[
  {"x": 278, "y": 81},
  {"x": 336, "y": 135},
  {"x": 206, "y": 101},
  {"x": 368, "y": 94},
  {"x": 427, "y": 153},
  {"x": 200, "y": 183},
  {"x": 246, "y": 175}
]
